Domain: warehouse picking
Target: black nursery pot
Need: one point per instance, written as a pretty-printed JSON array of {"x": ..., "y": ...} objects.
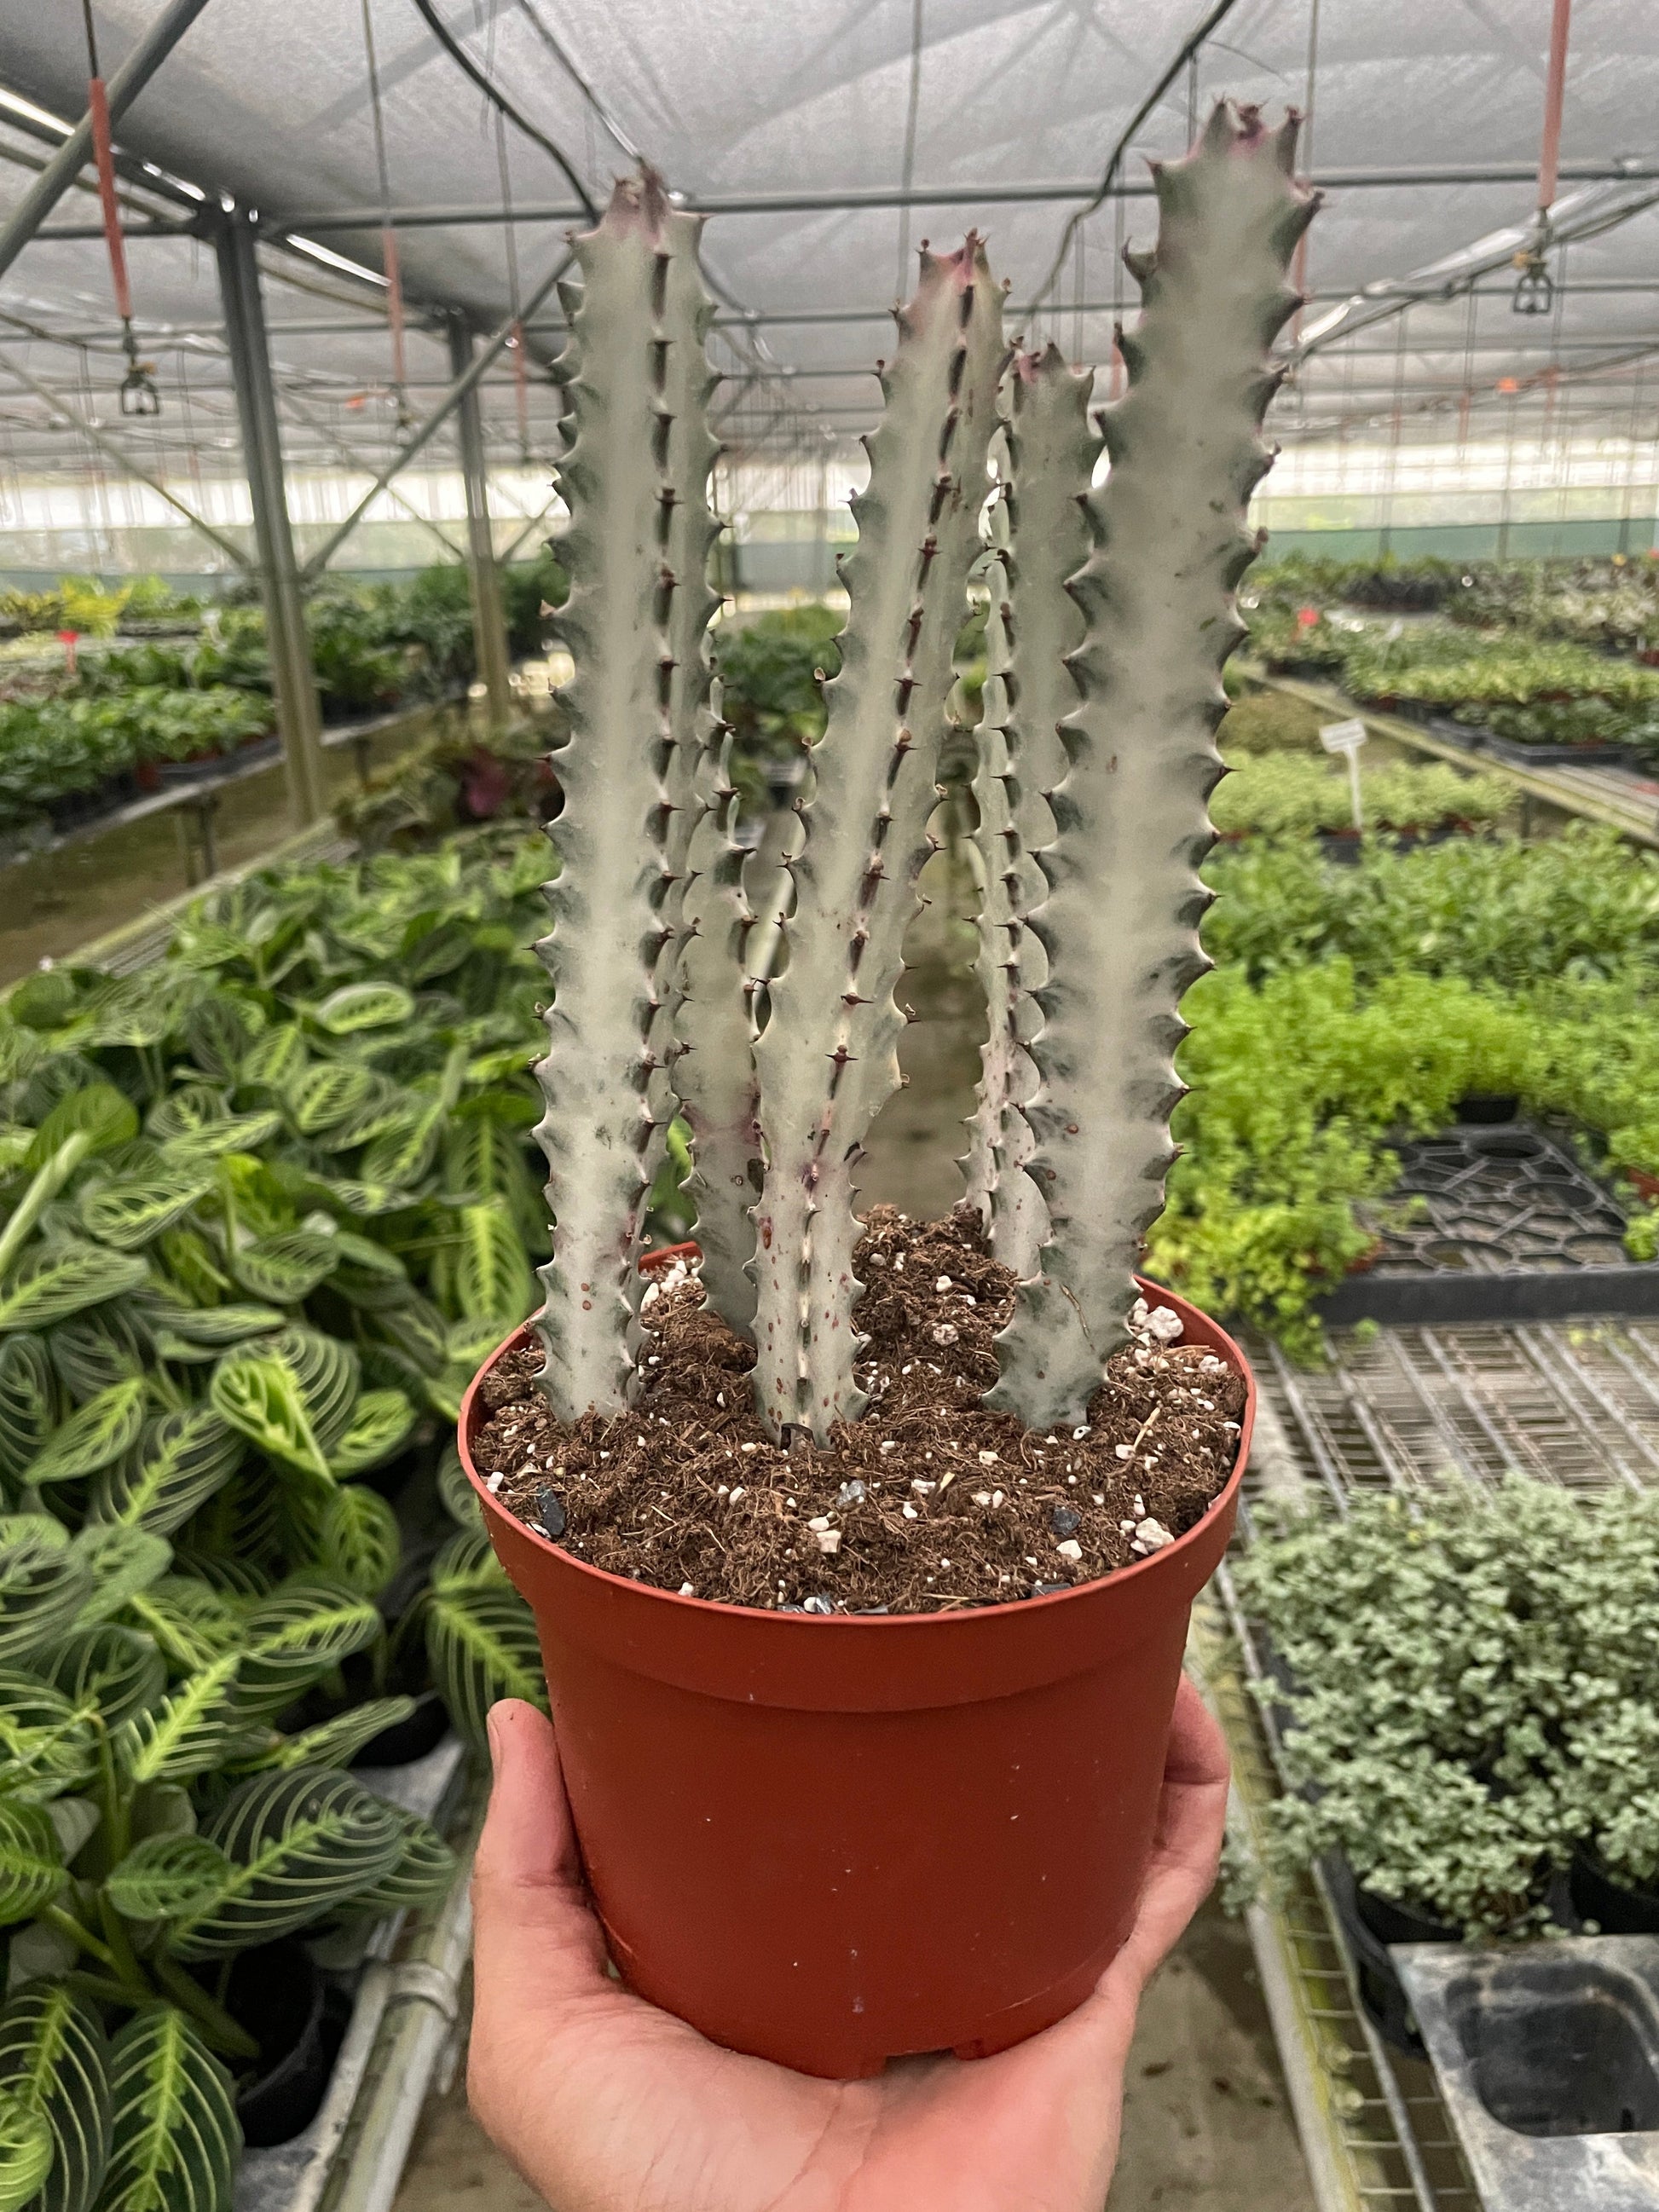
[
  {"x": 1616, "y": 1908},
  {"x": 1371, "y": 1923},
  {"x": 277, "y": 1994}
]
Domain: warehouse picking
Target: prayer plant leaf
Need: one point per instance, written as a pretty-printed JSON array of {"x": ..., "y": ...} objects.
[
  {"x": 54, "y": 2061},
  {"x": 179, "y": 1460},
  {"x": 119, "y": 1670},
  {"x": 48, "y": 1742},
  {"x": 301, "y": 1631},
  {"x": 131, "y": 1211},
  {"x": 28, "y": 1401},
  {"x": 287, "y": 1267},
  {"x": 358, "y": 1540},
  {"x": 187, "y": 1733},
  {"x": 481, "y": 1644},
  {"x": 44, "y": 1583},
  {"x": 460, "y": 1500},
  {"x": 96, "y": 1350},
  {"x": 364, "y": 1006},
  {"x": 291, "y": 1396},
  {"x": 420, "y": 1877},
  {"x": 492, "y": 1278},
  {"x": 121, "y": 1561},
  {"x": 334, "y": 1742},
  {"x": 32, "y": 1870},
  {"x": 216, "y": 1326},
  {"x": 165, "y": 1877},
  {"x": 299, "y": 1845},
  {"x": 56, "y": 1281},
  {"x": 101, "y": 1432},
  {"x": 27, "y": 2151},
  {"x": 99, "y": 1112},
  {"x": 380, "y": 1420},
  {"x": 174, "y": 2136},
  {"x": 327, "y": 1093}
]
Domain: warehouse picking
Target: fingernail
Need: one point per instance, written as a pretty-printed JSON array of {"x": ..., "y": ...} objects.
[{"x": 492, "y": 1729}]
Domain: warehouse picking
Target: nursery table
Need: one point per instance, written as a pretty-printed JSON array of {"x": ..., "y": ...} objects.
[{"x": 1617, "y": 798}]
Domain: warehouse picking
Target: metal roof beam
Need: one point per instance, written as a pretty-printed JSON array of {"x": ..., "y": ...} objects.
[
  {"x": 71, "y": 157},
  {"x": 856, "y": 198}
]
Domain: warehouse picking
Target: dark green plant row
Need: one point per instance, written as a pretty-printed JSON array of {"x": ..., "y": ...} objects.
[
  {"x": 1471, "y": 1682},
  {"x": 176, "y": 699},
  {"x": 264, "y": 1213}
]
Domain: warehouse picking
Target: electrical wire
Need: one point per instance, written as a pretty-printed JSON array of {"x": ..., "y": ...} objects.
[
  {"x": 1216, "y": 15},
  {"x": 550, "y": 41},
  {"x": 491, "y": 91}
]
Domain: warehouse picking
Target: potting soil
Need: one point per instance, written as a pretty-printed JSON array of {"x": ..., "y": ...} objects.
[{"x": 929, "y": 1502}]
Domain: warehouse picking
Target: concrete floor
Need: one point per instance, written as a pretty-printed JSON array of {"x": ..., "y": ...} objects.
[{"x": 1206, "y": 2126}]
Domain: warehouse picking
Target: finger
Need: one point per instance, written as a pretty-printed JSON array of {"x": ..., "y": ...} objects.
[
  {"x": 1192, "y": 1820},
  {"x": 533, "y": 1927}
]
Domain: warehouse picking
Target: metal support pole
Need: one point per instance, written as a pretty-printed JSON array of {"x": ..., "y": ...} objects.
[
  {"x": 299, "y": 716},
  {"x": 489, "y": 618},
  {"x": 71, "y": 157}
]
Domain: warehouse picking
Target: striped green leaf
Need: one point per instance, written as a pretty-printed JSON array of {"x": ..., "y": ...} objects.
[
  {"x": 121, "y": 1561},
  {"x": 383, "y": 1108},
  {"x": 191, "y": 1622},
  {"x": 43, "y": 1585},
  {"x": 460, "y": 1500},
  {"x": 119, "y": 1670},
  {"x": 287, "y": 1267},
  {"x": 490, "y": 1268},
  {"x": 215, "y": 1327},
  {"x": 358, "y": 1540},
  {"x": 364, "y": 1006},
  {"x": 98, "y": 1111},
  {"x": 98, "y": 1349},
  {"x": 187, "y": 1733},
  {"x": 54, "y": 2060},
  {"x": 100, "y": 1432},
  {"x": 56, "y": 1281},
  {"x": 236, "y": 1132},
  {"x": 292, "y": 1396},
  {"x": 358, "y": 1201},
  {"x": 174, "y": 2136},
  {"x": 32, "y": 1870},
  {"x": 304, "y": 1628},
  {"x": 185, "y": 1111},
  {"x": 424, "y": 1870},
  {"x": 381, "y": 1422},
  {"x": 334, "y": 1742},
  {"x": 300, "y": 1845},
  {"x": 370, "y": 1276},
  {"x": 220, "y": 1032},
  {"x": 179, "y": 1460},
  {"x": 402, "y": 1156},
  {"x": 481, "y": 1645},
  {"x": 327, "y": 1094},
  {"x": 167, "y": 1877},
  {"x": 27, "y": 2151},
  {"x": 28, "y": 1401},
  {"x": 276, "y": 1058},
  {"x": 468, "y": 1562},
  {"x": 48, "y": 1742},
  {"x": 132, "y": 1210}
]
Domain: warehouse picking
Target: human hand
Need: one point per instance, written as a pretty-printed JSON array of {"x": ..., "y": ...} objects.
[{"x": 606, "y": 2104}]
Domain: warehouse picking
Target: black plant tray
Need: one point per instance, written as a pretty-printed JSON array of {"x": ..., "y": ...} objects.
[
  {"x": 1518, "y": 752},
  {"x": 1510, "y": 1228}
]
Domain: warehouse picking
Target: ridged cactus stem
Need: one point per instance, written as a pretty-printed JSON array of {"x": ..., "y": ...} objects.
[
  {"x": 828, "y": 1055},
  {"x": 714, "y": 1070},
  {"x": 1040, "y": 539},
  {"x": 1120, "y": 923},
  {"x": 634, "y": 474}
]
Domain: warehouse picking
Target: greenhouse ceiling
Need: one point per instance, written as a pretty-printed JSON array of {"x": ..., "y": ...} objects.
[{"x": 824, "y": 144}]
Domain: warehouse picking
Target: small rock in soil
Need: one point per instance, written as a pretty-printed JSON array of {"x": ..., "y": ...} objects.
[
  {"x": 1065, "y": 1520},
  {"x": 549, "y": 1512}
]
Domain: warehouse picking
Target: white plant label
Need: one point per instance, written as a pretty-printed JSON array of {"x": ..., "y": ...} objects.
[{"x": 1347, "y": 738}]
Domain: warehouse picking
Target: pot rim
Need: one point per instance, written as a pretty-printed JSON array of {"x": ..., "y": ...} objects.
[{"x": 1159, "y": 1561}]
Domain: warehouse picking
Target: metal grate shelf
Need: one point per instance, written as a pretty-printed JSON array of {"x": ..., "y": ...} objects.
[{"x": 1403, "y": 1409}]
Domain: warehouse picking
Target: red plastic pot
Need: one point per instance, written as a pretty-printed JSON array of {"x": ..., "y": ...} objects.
[{"x": 830, "y": 1841}]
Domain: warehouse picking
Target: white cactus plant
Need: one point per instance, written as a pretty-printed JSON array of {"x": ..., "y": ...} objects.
[{"x": 1111, "y": 614}]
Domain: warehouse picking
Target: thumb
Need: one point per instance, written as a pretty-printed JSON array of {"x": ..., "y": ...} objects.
[{"x": 534, "y": 1932}]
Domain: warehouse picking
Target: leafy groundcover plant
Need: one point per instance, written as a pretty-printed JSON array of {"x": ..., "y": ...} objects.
[
  {"x": 261, "y": 1213},
  {"x": 1472, "y": 1685},
  {"x": 1279, "y": 794}
]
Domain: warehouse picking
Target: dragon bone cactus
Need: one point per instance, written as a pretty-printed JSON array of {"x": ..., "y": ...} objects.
[
  {"x": 635, "y": 481},
  {"x": 1032, "y": 628},
  {"x": 1118, "y": 920},
  {"x": 1111, "y": 614}
]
